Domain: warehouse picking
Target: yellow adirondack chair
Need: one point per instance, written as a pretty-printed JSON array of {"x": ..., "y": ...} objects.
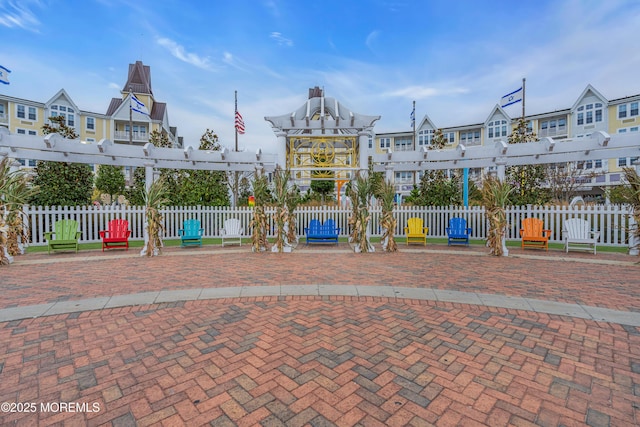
[{"x": 415, "y": 231}]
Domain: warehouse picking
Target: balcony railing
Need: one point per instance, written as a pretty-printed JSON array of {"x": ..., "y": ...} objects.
[
  {"x": 4, "y": 118},
  {"x": 137, "y": 136},
  {"x": 554, "y": 131}
]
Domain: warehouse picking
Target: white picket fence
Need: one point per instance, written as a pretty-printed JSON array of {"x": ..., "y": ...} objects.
[{"x": 611, "y": 220}]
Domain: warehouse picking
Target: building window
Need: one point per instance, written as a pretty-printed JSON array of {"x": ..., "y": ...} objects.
[
  {"x": 622, "y": 162},
  {"x": 450, "y": 137},
  {"x": 91, "y": 123},
  {"x": 21, "y": 131},
  {"x": 404, "y": 177},
  {"x": 580, "y": 118},
  {"x": 633, "y": 111},
  {"x": 64, "y": 111},
  {"x": 21, "y": 112},
  {"x": 2, "y": 112},
  {"x": 628, "y": 110},
  {"x": 385, "y": 142},
  {"x": 594, "y": 113},
  {"x": 425, "y": 137},
  {"x": 403, "y": 144},
  {"x": 497, "y": 128}
]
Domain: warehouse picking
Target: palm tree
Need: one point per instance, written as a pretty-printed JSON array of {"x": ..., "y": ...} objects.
[{"x": 14, "y": 193}]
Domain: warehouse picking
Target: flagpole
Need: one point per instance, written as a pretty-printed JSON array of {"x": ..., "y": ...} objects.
[
  {"x": 235, "y": 113},
  {"x": 130, "y": 119},
  {"x": 523, "y": 92},
  {"x": 235, "y": 174},
  {"x": 414, "y": 125}
]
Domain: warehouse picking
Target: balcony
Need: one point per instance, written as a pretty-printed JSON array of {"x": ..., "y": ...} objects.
[
  {"x": 554, "y": 131},
  {"x": 4, "y": 118},
  {"x": 138, "y": 137}
]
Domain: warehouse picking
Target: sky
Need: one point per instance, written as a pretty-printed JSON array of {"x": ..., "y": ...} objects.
[{"x": 454, "y": 58}]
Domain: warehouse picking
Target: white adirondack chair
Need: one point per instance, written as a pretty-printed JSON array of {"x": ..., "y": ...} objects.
[
  {"x": 232, "y": 232},
  {"x": 577, "y": 232}
]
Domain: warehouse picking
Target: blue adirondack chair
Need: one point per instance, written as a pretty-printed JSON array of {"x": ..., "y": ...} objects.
[
  {"x": 457, "y": 232},
  {"x": 191, "y": 233}
]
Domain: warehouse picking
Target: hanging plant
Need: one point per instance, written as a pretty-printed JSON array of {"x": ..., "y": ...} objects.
[
  {"x": 495, "y": 196},
  {"x": 360, "y": 191},
  {"x": 154, "y": 198},
  {"x": 259, "y": 223},
  {"x": 387, "y": 196}
]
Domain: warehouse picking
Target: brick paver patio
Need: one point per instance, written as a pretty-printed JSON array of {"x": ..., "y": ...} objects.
[{"x": 298, "y": 360}]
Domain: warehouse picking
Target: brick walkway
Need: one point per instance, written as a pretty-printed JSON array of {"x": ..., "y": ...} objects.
[{"x": 321, "y": 360}]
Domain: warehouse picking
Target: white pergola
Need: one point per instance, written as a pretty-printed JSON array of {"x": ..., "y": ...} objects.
[
  {"x": 599, "y": 145},
  {"x": 53, "y": 147}
]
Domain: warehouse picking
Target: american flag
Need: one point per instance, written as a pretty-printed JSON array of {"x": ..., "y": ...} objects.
[{"x": 239, "y": 123}]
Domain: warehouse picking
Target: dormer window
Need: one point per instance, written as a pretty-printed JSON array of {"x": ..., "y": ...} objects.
[{"x": 497, "y": 128}]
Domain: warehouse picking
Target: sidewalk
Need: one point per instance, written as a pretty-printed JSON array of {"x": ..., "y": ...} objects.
[{"x": 322, "y": 336}]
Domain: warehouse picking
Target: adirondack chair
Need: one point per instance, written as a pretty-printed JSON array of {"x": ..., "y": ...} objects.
[
  {"x": 534, "y": 235},
  {"x": 577, "y": 232},
  {"x": 232, "y": 231},
  {"x": 415, "y": 231},
  {"x": 321, "y": 233},
  {"x": 458, "y": 232},
  {"x": 191, "y": 233},
  {"x": 116, "y": 235},
  {"x": 65, "y": 235}
]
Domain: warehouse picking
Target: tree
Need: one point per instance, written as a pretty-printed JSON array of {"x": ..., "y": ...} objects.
[
  {"x": 110, "y": 180},
  {"x": 202, "y": 187},
  {"x": 62, "y": 184},
  {"x": 435, "y": 189},
  {"x": 323, "y": 187},
  {"x": 527, "y": 180}
]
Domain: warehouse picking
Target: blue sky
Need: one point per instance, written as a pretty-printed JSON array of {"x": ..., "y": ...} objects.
[{"x": 454, "y": 58}]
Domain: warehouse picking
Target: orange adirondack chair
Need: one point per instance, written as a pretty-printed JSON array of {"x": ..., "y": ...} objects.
[
  {"x": 117, "y": 235},
  {"x": 415, "y": 231},
  {"x": 534, "y": 235}
]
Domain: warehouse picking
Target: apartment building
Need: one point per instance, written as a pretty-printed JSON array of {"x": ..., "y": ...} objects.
[
  {"x": 590, "y": 112},
  {"x": 118, "y": 123}
]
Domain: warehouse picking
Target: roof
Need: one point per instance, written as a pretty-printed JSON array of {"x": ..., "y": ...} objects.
[{"x": 139, "y": 79}]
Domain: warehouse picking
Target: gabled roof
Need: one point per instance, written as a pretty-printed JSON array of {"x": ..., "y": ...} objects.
[
  {"x": 589, "y": 90},
  {"x": 139, "y": 79},
  {"x": 497, "y": 109},
  {"x": 62, "y": 94},
  {"x": 427, "y": 121},
  {"x": 157, "y": 111}
]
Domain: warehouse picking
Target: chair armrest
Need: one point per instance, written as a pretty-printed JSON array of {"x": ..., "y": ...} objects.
[
  {"x": 521, "y": 231},
  {"x": 469, "y": 230},
  {"x": 406, "y": 229},
  {"x": 425, "y": 230},
  {"x": 547, "y": 232},
  {"x": 224, "y": 232},
  {"x": 180, "y": 231},
  {"x": 104, "y": 233},
  {"x": 128, "y": 234},
  {"x": 595, "y": 234},
  {"x": 78, "y": 234},
  {"x": 48, "y": 235}
]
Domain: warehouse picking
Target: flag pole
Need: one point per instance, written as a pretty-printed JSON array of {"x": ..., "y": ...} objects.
[
  {"x": 235, "y": 113},
  {"x": 130, "y": 118},
  {"x": 414, "y": 125},
  {"x": 523, "y": 92}
]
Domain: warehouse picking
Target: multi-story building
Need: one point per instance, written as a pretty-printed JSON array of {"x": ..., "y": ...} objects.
[
  {"x": 590, "y": 112},
  {"x": 118, "y": 124}
]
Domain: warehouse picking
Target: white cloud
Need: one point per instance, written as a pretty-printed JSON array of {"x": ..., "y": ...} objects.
[
  {"x": 422, "y": 92},
  {"x": 282, "y": 41},
  {"x": 16, "y": 14},
  {"x": 190, "y": 58}
]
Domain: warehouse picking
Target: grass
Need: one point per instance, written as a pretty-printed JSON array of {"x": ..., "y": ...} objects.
[{"x": 477, "y": 243}]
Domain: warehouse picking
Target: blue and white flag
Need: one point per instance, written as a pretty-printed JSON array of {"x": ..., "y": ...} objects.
[
  {"x": 4, "y": 75},
  {"x": 413, "y": 117},
  {"x": 511, "y": 98},
  {"x": 138, "y": 106}
]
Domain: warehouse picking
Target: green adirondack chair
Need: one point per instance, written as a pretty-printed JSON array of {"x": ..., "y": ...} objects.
[{"x": 65, "y": 235}]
